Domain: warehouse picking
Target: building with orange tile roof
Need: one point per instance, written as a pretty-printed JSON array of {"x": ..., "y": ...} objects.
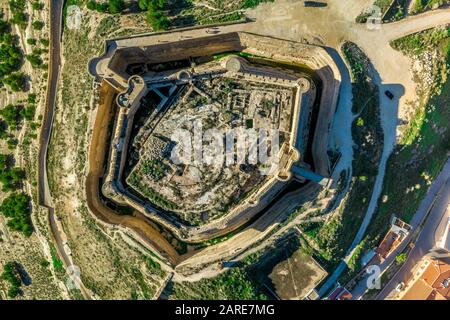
[{"x": 433, "y": 284}]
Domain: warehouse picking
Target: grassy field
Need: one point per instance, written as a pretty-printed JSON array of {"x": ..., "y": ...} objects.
[{"x": 232, "y": 285}]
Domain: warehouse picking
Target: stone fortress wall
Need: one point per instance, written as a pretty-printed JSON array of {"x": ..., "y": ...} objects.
[
  {"x": 128, "y": 102},
  {"x": 112, "y": 68}
]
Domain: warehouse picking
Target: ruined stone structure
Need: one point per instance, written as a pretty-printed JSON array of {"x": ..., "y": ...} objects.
[{"x": 136, "y": 69}]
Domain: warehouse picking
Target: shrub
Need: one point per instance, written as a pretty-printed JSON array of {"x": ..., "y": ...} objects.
[
  {"x": 44, "y": 42},
  {"x": 35, "y": 60},
  {"x": 17, "y": 208},
  {"x": 19, "y": 16},
  {"x": 11, "y": 114},
  {"x": 12, "y": 178},
  {"x": 31, "y": 41},
  {"x": 28, "y": 112},
  {"x": 10, "y": 274},
  {"x": 10, "y": 56},
  {"x": 4, "y": 26},
  {"x": 16, "y": 81},
  {"x": 116, "y": 6},
  {"x": 4, "y": 161},
  {"x": 38, "y": 25},
  {"x": 157, "y": 20},
  {"x": 36, "y": 5}
]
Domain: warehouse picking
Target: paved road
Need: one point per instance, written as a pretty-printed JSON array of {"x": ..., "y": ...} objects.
[{"x": 438, "y": 199}]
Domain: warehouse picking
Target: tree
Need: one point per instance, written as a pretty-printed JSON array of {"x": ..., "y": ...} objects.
[
  {"x": 12, "y": 178},
  {"x": 16, "y": 81},
  {"x": 44, "y": 42},
  {"x": 10, "y": 274},
  {"x": 116, "y": 6},
  {"x": 143, "y": 5},
  {"x": 10, "y": 56},
  {"x": 31, "y": 41},
  {"x": 16, "y": 207},
  {"x": 401, "y": 258},
  {"x": 35, "y": 60},
  {"x": 155, "y": 16},
  {"x": 38, "y": 25},
  {"x": 11, "y": 114},
  {"x": 13, "y": 292},
  {"x": 4, "y": 161},
  {"x": 32, "y": 98},
  {"x": 4, "y": 26},
  {"x": 28, "y": 112},
  {"x": 36, "y": 5},
  {"x": 92, "y": 5},
  {"x": 157, "y": 20},
  {"x": 19, "y": 16}
]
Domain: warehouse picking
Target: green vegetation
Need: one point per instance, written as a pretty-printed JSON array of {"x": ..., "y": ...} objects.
[
  {"x": 389, "y": 10},
  {"x": 35, "y": 58},
  {"x": 4, "y": 161},
  {"x": 397, "y": 11},
  {"x": 10, "y": 57},
  {"x": 116, "y": 6},
  {"x": 28, "y": 112},
  {"x": 312, "y": 229},
  {"x": 111, "y": 6},
  {"x": 425, "y": 5},
  {"x": 155, "y": 13},
  {"x": 97, "y": 6},
  {"x": 19, "y": 17},
  {"x": 233, "y": 16},
  {"x": 333, "y": 238},
  {"x": 11, "y": 275},
  {"x": 152, "y": 195},
  {"x": 401, "y": 258},
  {"x": 31, "y": 41},
  {"x": 153, "y": 266},
  {"x": 16, "y": 81},
  {"x": 155, "y": 169},
  {"x": 416, "y": 44},
  {"x": 56, "y": 262},
  {"x": 231, "y": 285},
  {"x": 354, "y": 261},
  {"x": 157, "y": 20},
  {"x": 36, "y": 5},
  {"x": 253, "y": 3},
  {"x": 38, "y": 25},
  {"x": 16, "y": 207},
  {"x": 44, "y": 42},
  {"x": 11, "y": 114},
  {"x": 4, "y": 26},
  {"x": 425, "y": 146},
  {"x": 12, "y": 178}
]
